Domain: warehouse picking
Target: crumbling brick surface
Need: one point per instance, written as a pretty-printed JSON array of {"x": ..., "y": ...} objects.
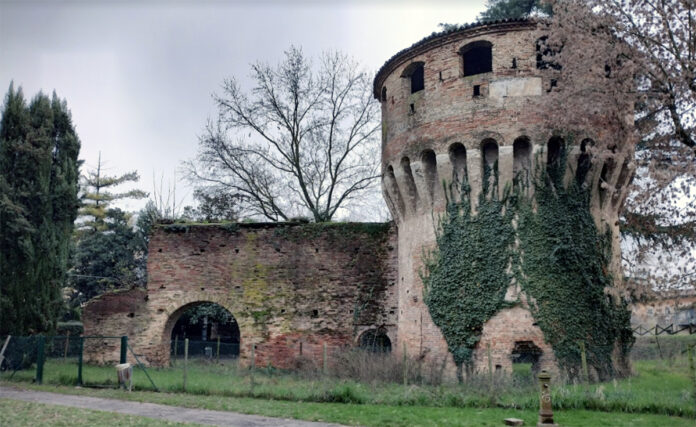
[{"x": 286, "y": 285}]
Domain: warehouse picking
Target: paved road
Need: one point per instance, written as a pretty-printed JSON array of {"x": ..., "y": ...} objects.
[{"x": 152, "y": 410}]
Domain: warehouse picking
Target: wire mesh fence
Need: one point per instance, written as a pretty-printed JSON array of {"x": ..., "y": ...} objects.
[
  {"x": 58, "y": 360},
  {"x": 216, "y": 349}
]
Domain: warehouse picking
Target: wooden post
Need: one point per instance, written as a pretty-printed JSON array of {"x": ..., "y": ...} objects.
[
  {"x": 218, "y": 349},
  {"x": 657, "y": 341},
  {"x": 186, "y": 343},
  {"x": 325, "y": 364},
  {"x": 405, "y": 368},
  {"x": 583, "y": 359},
  {"x": 692, "y": 368},
  {"x": 67, "y": 344}
]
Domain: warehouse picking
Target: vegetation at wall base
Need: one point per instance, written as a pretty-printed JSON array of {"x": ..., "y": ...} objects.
[{"x": 659, "y": 387}]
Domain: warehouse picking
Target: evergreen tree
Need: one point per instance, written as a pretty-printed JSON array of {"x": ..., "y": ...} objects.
[
  {"x": 514, "y": 9},
  {"x": 98, "y": 195},
  {"x": 38, "y": 204},
  {"x": 109, "y": 252},
  {"x": 107, "y": 259}
]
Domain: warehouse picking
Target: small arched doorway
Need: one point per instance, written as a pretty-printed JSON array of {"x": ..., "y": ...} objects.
[
  {"x": 204, "y": 324},
  {"x": 375, "y": 341}
]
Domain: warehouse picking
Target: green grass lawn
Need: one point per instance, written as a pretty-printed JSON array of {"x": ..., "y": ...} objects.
[
  {"x": 15, "y": 413},
  {"x": 658, "y": 386},
  {"x": 376, "y": 415}
]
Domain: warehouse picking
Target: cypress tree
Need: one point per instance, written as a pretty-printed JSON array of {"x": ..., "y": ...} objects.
[{"x": 38, "y": 204}]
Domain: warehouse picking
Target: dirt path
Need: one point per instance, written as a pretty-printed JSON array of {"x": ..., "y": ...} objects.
[{"x": 152, "y": 410}]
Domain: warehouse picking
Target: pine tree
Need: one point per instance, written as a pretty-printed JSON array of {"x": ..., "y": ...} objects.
[{"x": 38, "y": 203}]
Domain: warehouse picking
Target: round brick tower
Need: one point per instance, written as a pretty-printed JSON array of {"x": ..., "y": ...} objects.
[{"x": 451, "y": 104}]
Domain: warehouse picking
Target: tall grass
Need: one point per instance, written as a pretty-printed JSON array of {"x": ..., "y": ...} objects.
[{"x": 659, "y": 386}]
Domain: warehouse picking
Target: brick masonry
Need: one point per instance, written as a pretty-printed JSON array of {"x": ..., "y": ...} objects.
[
  {"x": 286, "y": 285},
  {"x": 435, "y": 134}
]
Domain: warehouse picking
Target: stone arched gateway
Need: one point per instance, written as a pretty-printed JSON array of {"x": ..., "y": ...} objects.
[
  {"x": 291, "y": 288},
  {"x": 176, "y": 310}
]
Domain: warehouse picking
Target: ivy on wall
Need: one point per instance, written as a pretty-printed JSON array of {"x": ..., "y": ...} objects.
[
  {"x": 564, "y": 270},
  {"x": 551, "y": 246},
  {"x": 467, "y": 276}
]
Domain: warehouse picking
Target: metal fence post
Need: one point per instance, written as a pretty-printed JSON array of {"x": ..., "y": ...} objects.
[
  {"x": 79, "y": 360},
  {"x": 124, "y": 348},
  {"x": 218, "y": 349},
  {"x": 40, "y": 359},
  {"x": 186, "y": 343},
  {"x": 67, "y": 344},
  {"x": 176, "y": 348},
  {"x": 326, "y": 361}
]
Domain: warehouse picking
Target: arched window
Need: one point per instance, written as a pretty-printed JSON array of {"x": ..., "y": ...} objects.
[
  {"x": 384, "y": 93},
  {"x": 477, "y": 58},
  {"x": 416, "y": 74}
]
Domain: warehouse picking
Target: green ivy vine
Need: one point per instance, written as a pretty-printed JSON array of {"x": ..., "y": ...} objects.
[
  {"x": 551, "y": 246},
  {"x": 564, "y": 269},
  {"x": 466, "y": 278}
]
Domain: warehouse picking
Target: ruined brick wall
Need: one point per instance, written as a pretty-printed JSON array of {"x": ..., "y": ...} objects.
[
  {"x": 286, "y": 285},
  {"x": 677, "y": 308},
  {"x": 433, "y": 135}
]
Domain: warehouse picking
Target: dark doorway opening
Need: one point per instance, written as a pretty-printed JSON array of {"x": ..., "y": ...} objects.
[
  {"x": 375, "y": 341},
  {"x": 525, "y": 361},
  {"x": 205, "y": 325}
]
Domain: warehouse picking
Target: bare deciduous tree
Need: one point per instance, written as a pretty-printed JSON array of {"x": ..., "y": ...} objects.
[
  {"x": 303, "y": 141},
  {"x": 642, "y": 53}
]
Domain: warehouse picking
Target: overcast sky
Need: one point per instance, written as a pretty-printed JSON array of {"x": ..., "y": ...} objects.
[{"x": 138, "y": 76}]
